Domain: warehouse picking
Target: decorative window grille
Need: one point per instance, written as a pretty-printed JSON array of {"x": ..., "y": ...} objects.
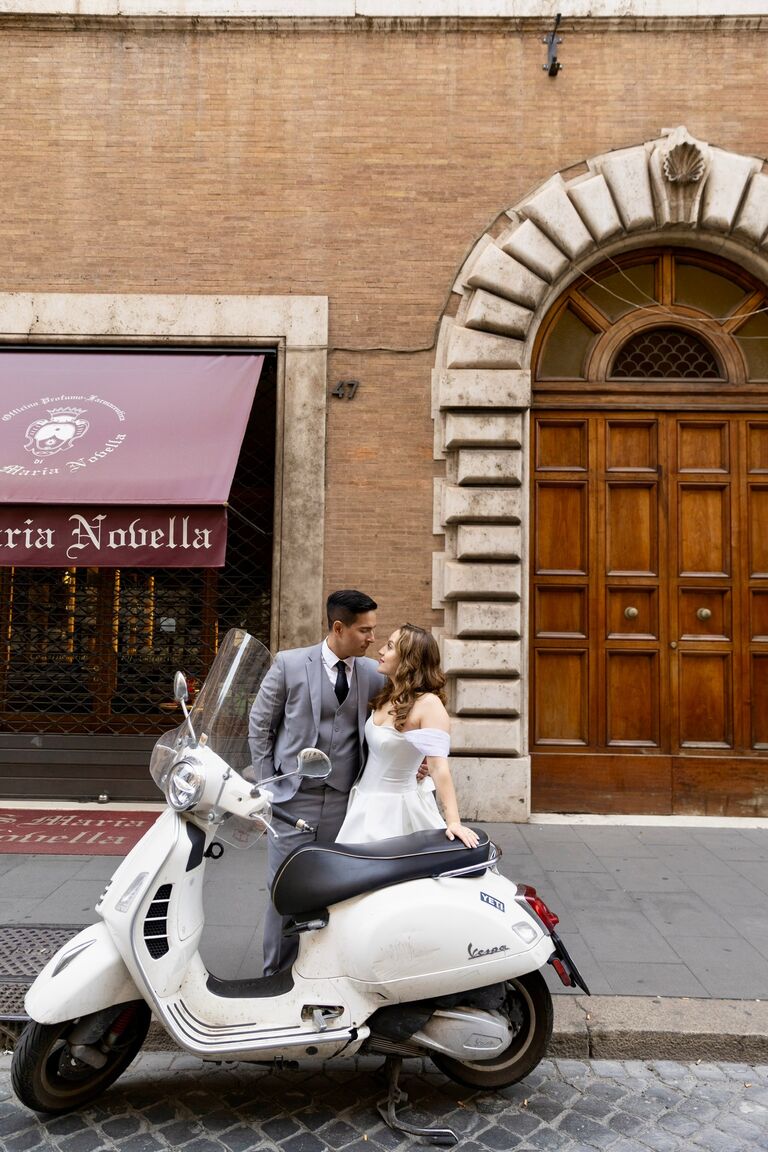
[{"x": 665, "y": 354}]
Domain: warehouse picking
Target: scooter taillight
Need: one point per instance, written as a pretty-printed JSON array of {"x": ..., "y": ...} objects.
[{"x": 537, "y": 905}]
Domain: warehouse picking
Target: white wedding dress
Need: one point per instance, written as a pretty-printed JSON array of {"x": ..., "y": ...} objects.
[{"x": 387, "y": 800}]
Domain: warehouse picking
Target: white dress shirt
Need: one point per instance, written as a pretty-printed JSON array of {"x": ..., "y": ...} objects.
[{"x": 330, "y": 660}]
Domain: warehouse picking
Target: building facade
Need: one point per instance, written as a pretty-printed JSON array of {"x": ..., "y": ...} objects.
[{"x": 516, "y": 317}]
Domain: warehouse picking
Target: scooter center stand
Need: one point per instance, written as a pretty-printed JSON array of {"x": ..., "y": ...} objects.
[{"x": 444, "y": 1136}]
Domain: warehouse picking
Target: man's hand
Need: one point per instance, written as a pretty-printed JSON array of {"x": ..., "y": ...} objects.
[{"x": 423, "y": 771}]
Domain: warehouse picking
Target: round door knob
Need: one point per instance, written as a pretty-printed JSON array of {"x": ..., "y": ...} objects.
[
  {"x": 673, "y": 644},
  {"x": 703, "y": 613},
  {"x": 631, "y": 613}
]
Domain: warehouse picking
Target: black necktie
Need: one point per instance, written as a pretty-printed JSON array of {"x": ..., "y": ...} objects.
[{"x": 341, "y": 687}]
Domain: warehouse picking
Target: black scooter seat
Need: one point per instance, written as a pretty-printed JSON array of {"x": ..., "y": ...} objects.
[{"x": 316, "y": 875}]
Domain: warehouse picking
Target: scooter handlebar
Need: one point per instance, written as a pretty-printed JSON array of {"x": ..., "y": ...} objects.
[{"x": 285, "y": 818}]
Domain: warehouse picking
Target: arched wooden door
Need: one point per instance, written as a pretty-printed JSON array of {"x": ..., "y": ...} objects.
[{"x": 649, "y": 544}]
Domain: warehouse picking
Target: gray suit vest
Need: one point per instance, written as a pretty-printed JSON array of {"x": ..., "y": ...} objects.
[{"x": 338, "y": 734}]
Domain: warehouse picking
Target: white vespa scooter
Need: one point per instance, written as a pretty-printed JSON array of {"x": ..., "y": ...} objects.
[{"x": 407, "y": 947}]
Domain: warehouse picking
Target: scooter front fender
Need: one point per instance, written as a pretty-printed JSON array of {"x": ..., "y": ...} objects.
[{"x": 86, "y": 974}]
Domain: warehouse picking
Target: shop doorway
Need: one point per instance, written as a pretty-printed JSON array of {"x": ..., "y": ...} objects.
[{"x": 89, "y": 653}]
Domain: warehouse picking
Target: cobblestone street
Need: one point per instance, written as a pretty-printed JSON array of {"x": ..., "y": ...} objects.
[{"x": 168, "y": 1101}]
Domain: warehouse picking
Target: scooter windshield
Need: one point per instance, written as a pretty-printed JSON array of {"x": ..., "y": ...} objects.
[{"x": 220, "y": 713}]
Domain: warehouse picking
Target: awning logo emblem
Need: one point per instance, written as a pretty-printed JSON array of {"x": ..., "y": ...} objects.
[
  {"x": 57, "y": 433},
  {"x": 66, "y": 421}
]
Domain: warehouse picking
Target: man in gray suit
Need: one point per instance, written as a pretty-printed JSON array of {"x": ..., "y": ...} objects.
[{"x": 313, "y": 697}]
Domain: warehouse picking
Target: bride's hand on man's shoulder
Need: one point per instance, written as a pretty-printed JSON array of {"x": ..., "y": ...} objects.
[{"x": 468, "y": 836}]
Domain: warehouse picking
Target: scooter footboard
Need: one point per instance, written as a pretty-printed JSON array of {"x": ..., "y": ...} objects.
[{"x": 86, "y": 974}]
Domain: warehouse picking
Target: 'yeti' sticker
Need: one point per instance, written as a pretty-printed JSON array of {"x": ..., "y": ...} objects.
[{"x": 494, "y": 903}]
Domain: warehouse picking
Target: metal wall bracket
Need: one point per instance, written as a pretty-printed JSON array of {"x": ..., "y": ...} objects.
[{"x": 553, "y": 65}]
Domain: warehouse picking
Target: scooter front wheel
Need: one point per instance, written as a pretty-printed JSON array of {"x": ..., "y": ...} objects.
[
  {"x": 47, "y": 1077},
  {"x": 528, "y": 1007}
]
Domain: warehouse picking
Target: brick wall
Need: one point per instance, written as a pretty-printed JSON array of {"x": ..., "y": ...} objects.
[{"x": 359, "y": 163}]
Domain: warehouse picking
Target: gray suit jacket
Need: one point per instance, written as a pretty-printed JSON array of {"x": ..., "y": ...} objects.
[{"x": 285, "y": 716}]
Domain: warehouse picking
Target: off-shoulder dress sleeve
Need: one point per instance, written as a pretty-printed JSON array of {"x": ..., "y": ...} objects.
[{"x": 430, "y": 741}]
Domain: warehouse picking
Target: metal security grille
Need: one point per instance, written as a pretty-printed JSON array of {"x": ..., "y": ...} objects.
[
  {"x": 93, "y": 650},
  {"x": 665, "y": 354},
  {"x": 24, "y": 951}
]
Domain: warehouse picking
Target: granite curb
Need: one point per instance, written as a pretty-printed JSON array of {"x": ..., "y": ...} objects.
[{"x": 660, "y": 1028}]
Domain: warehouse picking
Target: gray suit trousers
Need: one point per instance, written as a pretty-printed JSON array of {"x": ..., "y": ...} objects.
[{"x": 324, "y": 808}]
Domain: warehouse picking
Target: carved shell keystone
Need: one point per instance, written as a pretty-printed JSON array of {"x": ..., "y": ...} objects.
[{"x": 684, "y": 163}]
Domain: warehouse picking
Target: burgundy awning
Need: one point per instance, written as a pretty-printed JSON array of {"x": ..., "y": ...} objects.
[{"x": 119, "y": 459}]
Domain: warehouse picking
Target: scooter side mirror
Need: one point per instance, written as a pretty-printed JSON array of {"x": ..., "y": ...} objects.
[
  {"x": 181, "y": 695},
  {"x": 314, "y": 764},
  {"x": 180, "y": 690}
]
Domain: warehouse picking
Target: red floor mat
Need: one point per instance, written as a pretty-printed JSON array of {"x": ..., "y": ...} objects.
[{"x": 68, "y": 832}]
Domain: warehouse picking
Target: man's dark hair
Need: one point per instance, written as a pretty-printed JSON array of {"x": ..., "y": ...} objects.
[{"x": 346, "y": 604}]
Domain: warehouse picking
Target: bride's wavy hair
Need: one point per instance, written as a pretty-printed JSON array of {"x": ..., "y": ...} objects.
[{"x": 418, "y": 672}]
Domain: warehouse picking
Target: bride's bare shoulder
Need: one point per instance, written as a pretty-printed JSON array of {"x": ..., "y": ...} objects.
[{"x": 429, "y": 711}]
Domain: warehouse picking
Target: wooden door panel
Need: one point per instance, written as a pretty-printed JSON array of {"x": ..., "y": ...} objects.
[
  {"x": 704, "y": 613},
  {"x": 705, "y": 699},
  {"x": 720, "y": 786},
  {"x": 633, "y": 613},
  {"x": 758, "y": 614},
  {"x": 757, "y": 446},
  {"x": 759, "y": 708},
  {"x": 562, "y": 445},
  {"x": 631, "y": 445},
  {"x": 632, "y": 699},
  {"x": 757, "y": 498},
  {"x": 560, "y": 611},
  {"x": 703, "y": 446},
  {"x": 704, "y": 530},
  {"x": 631, "y": 529},
  {"x": 561, "y": 703},
  {"x": 560, "y": 544},
  {"x": 601, "y": 782}
]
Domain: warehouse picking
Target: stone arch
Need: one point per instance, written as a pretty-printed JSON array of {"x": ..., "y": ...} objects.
[{"x": 672, "y": 190}]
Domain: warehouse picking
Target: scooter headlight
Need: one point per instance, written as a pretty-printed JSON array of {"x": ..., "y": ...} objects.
[{"x": 185, "y": 784}]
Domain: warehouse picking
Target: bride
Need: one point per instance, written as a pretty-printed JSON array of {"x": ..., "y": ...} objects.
[{"x": 408, "y": 722}]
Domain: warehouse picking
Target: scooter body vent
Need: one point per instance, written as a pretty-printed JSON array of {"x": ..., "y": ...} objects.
[{"x": 156, "y": 922}]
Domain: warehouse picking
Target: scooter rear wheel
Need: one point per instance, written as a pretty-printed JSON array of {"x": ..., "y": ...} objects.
[
  {"x": 528, "y": 1007},
  {"x": 48, "y": 1078}
]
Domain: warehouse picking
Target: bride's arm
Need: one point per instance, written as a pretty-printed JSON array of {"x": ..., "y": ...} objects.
[
  {"x": 432, "y": 714},
  {"x": 446, "y": 795}
]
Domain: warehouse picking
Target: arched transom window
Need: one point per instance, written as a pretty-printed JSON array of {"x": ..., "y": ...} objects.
[{"x": 661, "y": 324}]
